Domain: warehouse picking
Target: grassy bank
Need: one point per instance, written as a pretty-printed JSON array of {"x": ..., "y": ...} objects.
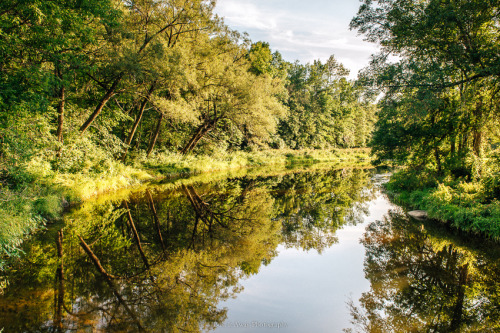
[
  {"x": 36, "y": 194},
  {"x": 470, "y": 206},
  {"x": 171, "y": 164}
]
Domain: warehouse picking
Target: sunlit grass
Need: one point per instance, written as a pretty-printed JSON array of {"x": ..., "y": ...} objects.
[
  {"x": 79, "y": 187},
  {"x": 463, "y": 205},
  {"x": 168, "y": 163}
]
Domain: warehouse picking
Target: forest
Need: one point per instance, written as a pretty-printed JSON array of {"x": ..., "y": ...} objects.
[
  {"x": 99, "y": 95},
  {"x": 96, "y": 95}
]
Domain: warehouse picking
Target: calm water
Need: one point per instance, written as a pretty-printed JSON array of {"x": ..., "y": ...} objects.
[{"x": 298, "y": 251}]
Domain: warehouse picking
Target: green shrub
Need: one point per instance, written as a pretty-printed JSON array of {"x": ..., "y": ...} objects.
[{"x": 464, "y": 205}]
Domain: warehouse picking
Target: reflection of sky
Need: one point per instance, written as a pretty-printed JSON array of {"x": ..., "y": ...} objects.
[
  {"x": 307, "y": 291},
  {"x": 301, "y": 30}
]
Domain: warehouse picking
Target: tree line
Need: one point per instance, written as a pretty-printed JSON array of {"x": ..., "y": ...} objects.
[
  {"x": 127, "y": 78},
  {"x": 441, "y": 93}
]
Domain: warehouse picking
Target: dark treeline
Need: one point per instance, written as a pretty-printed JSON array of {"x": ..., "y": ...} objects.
[
  {"x": 439, "y": 70},
  {"x": 85, "y": 81}
]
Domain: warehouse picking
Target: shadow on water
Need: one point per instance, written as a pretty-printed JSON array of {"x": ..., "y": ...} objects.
[{"x": 163, "y": 259}]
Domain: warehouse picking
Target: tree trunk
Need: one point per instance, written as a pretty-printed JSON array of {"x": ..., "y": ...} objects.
[
  {"x": 60, "y": 117},
  {"x": 453, "y": 145},
  {"x": 138, "y": 119},
  {"x": 136, "y": 237},
  {"x": 155, "y": 135},
  {"x": 110, "y": 93},
  {"x": 60, "y": 110},
  {"x": 108, "y": 278},
  {"x": 459, "y": 306},
  {"x": 477, "y": 142},
  {"x": 201, "y": 131},
  {"x": 477, "y": 135},
  {"x": 464, "y": 142},
  {"x": 59, "y": 293},
  {"x": 438, "y": 160}
]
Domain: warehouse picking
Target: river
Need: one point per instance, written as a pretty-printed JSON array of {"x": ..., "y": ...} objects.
[{"x": 313, "y": 249}]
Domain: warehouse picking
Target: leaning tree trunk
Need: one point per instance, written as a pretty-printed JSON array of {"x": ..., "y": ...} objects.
[
  {"x": 109, "y": 280},
  {"x": 156, "y": 219},
  {"x": 155, "y": 135},
  {"x": 110, "y": 93},
  {"x": 138, "y": 119},
  {"x": 201, "y": 131},
  {"x": 136, "y": 236}
]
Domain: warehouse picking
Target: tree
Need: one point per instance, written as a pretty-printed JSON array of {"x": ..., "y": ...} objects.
[
  {"x": 229, "y": 93},
  {"x": 45, "y": 45},
  {"x": 447, "y": 66},
  {"x": 150, "y": 27},
  {"x": 326, "y": 109}
]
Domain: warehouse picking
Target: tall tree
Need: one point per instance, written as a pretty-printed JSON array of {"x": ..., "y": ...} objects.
[
  {"x": 441, "y": 89},
  {"x": 229, "y": 91},
  {"x": 151, "y": 26}
]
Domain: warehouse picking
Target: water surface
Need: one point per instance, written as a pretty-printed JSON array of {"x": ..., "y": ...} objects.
[{"x": 321, "y": 250}]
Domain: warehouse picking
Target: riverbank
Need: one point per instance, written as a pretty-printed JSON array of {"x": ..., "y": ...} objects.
[
  {"x": 467, "y": 206},
  {"x": 40, "y": 196}
]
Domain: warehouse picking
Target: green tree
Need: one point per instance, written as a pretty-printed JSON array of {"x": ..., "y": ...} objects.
[
  {"x": 326, "y": 110},
  {"x": 229, "y": 94},
  {"x": 441, "y": 91}
]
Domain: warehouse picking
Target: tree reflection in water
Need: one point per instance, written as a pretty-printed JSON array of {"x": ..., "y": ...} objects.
[
  {"x": 421, "y": 282},
  {"x": 162, "y": 260}
]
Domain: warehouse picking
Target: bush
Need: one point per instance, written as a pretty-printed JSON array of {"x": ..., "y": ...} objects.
[{"x": 464, "y": 205}]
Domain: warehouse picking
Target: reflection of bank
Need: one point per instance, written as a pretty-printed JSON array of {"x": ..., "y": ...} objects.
[
  {"x": 163, "y": 261},
  {"x": 420, "y": 282}
]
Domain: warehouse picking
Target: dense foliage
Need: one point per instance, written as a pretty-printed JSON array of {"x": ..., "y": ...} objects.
[
  {"x": 90, "y": 80},
  {"x": 93, "y": 92},
  {"x": 439, "y": 70},
  {"x": 326, "y": 110}
]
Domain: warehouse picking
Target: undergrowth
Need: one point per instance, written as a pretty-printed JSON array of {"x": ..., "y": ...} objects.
[{"x": 469, "y": 205}]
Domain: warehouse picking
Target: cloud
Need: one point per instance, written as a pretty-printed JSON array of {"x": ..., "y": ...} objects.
[
  {"x": 246, "y": 15},
  {"x": 300, "y": 30}
]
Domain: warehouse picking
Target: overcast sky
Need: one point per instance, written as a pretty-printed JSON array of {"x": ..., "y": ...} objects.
[{"x": 303, "y": 30}]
